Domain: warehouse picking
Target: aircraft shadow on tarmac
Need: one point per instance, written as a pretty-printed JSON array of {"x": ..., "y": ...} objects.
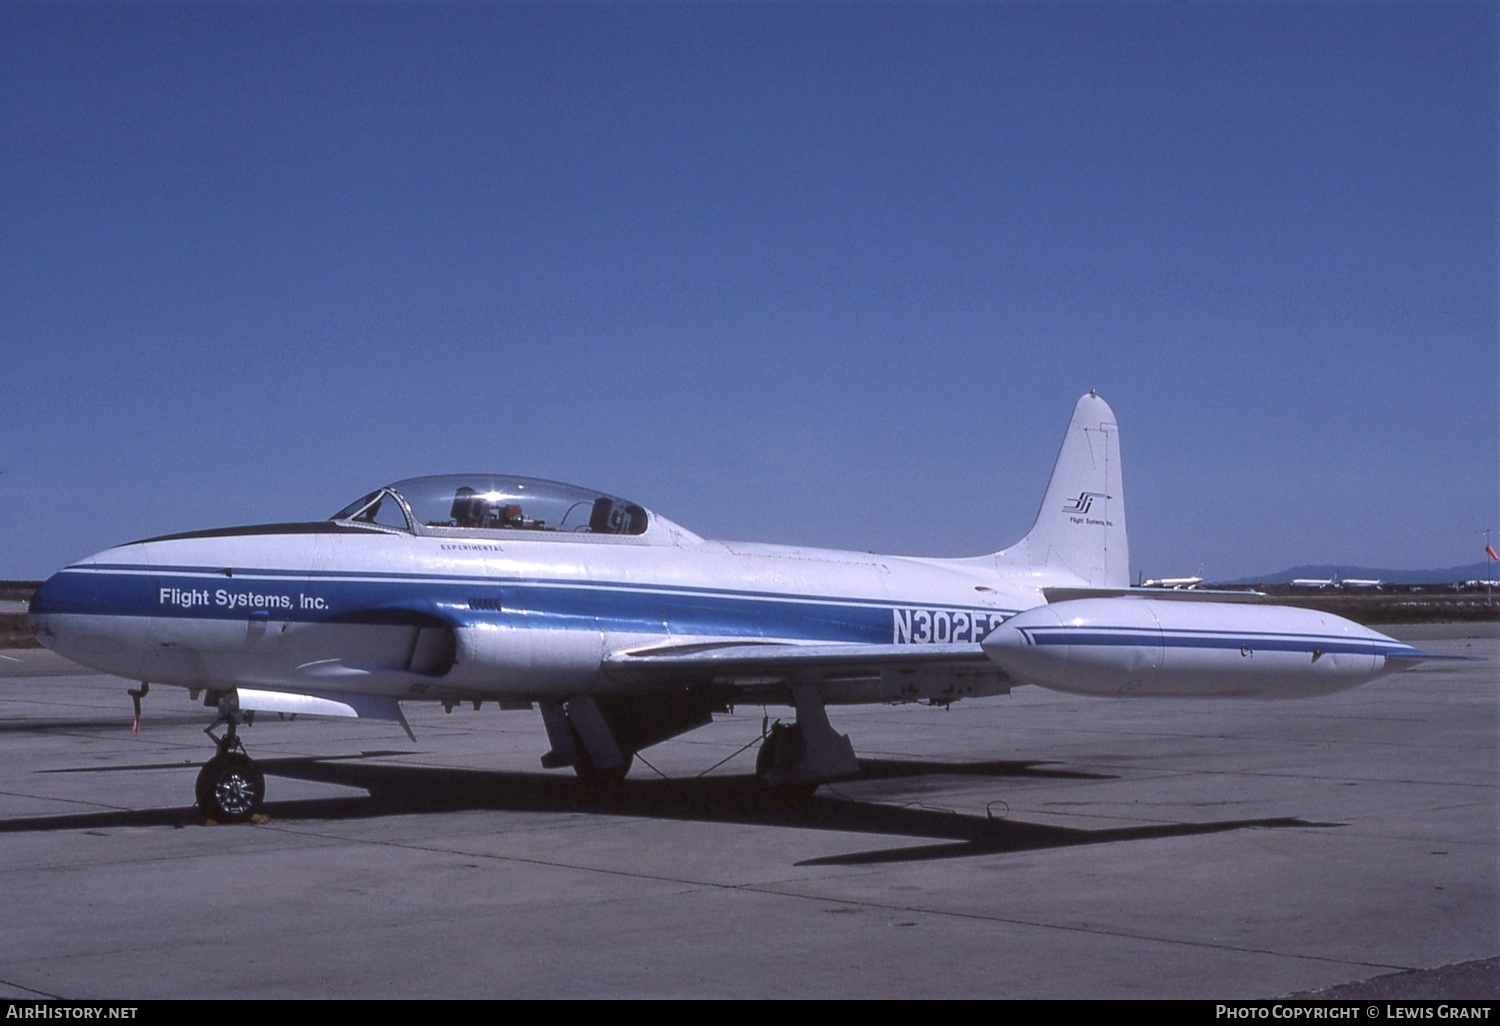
[{"x": 402, "y": 790}]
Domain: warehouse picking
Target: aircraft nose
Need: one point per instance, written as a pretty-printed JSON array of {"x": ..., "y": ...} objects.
[
  {"x": 58, "y": 596},
  {"x": 113, "y": 582},
  {"x": 43, "y": 602},
  {"x": 94, "y": 618}
]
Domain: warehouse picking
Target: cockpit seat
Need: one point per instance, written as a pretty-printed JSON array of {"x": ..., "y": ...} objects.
[
  {"x": 468, "y": 508},
  {"x": 611, "y": 517}
]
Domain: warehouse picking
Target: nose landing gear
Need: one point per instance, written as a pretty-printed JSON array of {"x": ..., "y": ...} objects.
[{"x": 230, "y": 787}]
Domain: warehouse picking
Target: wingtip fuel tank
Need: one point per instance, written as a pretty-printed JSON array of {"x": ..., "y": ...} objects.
[{"x": 1132, "y": 646}]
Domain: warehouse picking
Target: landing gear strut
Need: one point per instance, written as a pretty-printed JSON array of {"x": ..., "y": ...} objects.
[
  {"x": 599, "y": 737},
  {"x": 230, "y": 786},
  {"x": 592, "y": 776}
]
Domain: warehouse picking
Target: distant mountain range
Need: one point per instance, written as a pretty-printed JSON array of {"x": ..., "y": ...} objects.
[{"x": 1385, "y": 575}]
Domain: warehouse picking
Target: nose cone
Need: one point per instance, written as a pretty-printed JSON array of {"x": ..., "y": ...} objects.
[
  {"x": 1011, "y": 640},
  {"x": 49, "y": 599},
  {"x": 97, "y": 612},
  {"x": 1083, "y": 647}
]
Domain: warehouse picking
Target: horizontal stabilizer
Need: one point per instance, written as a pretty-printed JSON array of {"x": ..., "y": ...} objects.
[{"x": 1055, "y": 595}]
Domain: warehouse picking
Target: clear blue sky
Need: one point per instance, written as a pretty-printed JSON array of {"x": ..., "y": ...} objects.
[{"x": 820, "y": 273}]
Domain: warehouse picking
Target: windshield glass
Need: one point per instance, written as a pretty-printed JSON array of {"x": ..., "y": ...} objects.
[
  {"x": 488, "y": 502},
  {"x": 382, "y": 507}
]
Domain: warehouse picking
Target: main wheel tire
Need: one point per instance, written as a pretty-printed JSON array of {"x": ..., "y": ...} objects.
[
  {"x": 788, "y": 738},
  {"x": 230, "y": 788},
  {"x": 783, "y": 744},
  {"x": 766, "y": 757}
]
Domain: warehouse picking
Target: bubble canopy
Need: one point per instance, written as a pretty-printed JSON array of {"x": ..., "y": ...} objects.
[{"x": 465, "y": 503}]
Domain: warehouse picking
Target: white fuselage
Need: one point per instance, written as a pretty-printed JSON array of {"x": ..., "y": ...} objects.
[{"x": 516, "y": 616}]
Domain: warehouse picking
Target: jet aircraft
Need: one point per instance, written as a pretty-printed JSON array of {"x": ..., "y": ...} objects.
[
  {"x": 626, "y": 629},
  {"x": 1176, "y": 582}
]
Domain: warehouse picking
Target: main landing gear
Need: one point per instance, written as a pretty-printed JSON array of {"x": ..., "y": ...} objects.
[
  {"x": 599, "y": 736},
  {"x": 795, "y": 758},
  {"x": 230, "y": 786},
  {"x": 783, "y": 745}
]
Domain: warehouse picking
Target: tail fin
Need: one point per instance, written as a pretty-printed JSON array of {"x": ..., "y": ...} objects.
[{"x": 1079, "y": 533}]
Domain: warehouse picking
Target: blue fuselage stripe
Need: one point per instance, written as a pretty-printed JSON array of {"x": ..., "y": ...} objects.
[{"x": 361, "y": 597}]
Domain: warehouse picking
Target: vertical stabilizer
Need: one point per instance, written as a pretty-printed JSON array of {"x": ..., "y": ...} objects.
[{"x": 1079, "y": 533}]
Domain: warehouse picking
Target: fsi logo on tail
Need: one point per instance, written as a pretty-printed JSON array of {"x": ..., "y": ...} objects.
[{"x": 1084, "y": 502}]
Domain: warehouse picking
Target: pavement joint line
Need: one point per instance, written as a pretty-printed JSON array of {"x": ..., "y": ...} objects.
[
  {"x": 42, "y": 995},
  {"x": 67, "y": 801}
]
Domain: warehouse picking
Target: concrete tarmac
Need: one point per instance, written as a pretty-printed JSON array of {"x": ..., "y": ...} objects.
[{"x": 1035, "y": 845}]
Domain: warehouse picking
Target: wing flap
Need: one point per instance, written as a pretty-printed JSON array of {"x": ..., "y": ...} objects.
[
  {"x": 779, "y": 654},
  {"x": 842, "y": 672}
]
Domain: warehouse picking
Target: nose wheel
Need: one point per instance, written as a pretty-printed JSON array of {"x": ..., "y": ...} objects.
[{"x": 230, "y": 787}]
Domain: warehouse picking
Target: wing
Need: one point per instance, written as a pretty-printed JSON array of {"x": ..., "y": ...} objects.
[{"x": 841, "y": 672}]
